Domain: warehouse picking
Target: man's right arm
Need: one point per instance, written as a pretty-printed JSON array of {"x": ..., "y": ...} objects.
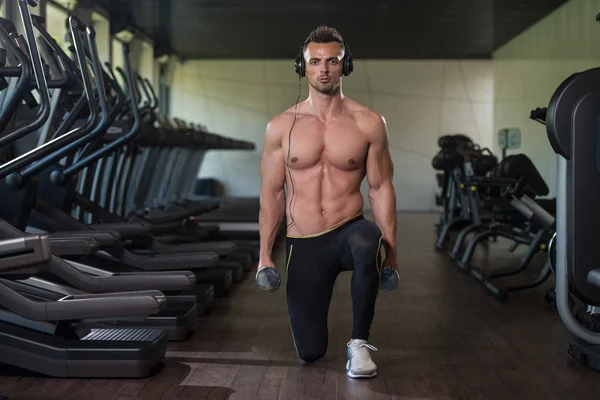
[{"x": 272, "y": 193}]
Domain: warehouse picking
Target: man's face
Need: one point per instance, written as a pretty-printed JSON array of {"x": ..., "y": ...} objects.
[{"x": 324, "y": 65}]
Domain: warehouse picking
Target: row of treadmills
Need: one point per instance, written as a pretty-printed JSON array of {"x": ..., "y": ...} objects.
[{"x": 105, "y": 255}]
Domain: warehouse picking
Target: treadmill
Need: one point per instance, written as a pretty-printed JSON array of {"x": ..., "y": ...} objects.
[
  {"x": 152, "y": 187},
  {"x": 182, "y": 150},
  {"x": 52, "y": 150},
  {"x": 53, "y": 338},
  {"x": 229, "y": 260},
  {"x": 178, "y": 317},
  {"x": 168, "y": 221},
  {"x": 236, "y": 218},
  {"x": 162, "y": 153},
  {"x": 187, "y": 160}
]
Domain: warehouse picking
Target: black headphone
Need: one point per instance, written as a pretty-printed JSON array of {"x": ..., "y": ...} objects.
[{"x": 348, "y": 62}]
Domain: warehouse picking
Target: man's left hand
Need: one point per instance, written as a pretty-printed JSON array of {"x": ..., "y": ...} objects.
[{"x": 391, "y": 262}]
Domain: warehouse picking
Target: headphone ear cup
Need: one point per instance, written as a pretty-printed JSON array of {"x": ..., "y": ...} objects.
[
  {"x": 299, "y": 65},
  {"x": 348, "y": 61},
  {"x": 348, "y": 65},
  {"x": 302, "y": 72}
]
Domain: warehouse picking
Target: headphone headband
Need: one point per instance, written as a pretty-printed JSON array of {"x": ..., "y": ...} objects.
[{"x": 347, "y": 66}]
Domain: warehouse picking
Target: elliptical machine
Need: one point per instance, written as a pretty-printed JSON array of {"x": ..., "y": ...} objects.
[{"x": 573, "y": 129}]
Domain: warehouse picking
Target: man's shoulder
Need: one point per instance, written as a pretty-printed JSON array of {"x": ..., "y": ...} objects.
[
  {"x": 280, "y": 120},
  {"x": 368, "y": 120},
  {"x": 276, "y": 124}
]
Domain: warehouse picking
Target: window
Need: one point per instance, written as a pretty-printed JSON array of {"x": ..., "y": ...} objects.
[
  {"x": 147, "y": 67},
  {"x": 102, "y": 27},
  {"x": 66, "y": 4},
  {"x": 56, "y": 25},
  {"x": 117, "y": 60}
]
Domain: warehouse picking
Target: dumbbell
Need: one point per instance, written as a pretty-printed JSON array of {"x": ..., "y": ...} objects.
[
  {"x": 389, "y": 279},
  {"x": 268, "y": 279}
]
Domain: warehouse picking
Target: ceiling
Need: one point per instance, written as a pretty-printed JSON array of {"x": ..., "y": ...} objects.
[{"x": 374, "y": 29}]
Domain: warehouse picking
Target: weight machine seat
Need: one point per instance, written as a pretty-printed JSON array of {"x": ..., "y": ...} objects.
[
  {"x": 454, "y": 140},
  {"x": 519, "y": 166},
  {"x": 446, "y": 160},
  {"x": 484, "y": 164}
]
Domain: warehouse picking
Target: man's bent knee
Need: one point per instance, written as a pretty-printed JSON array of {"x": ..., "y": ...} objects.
[{"x": 311, "y": 356}]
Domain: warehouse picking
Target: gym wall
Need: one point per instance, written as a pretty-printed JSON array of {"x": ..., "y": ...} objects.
[
  {"x": 528, "y": 70},
  {"x": 420, "y": 100}
]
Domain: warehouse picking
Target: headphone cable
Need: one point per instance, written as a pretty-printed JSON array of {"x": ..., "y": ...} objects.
[{"x": 289, "y": 148}]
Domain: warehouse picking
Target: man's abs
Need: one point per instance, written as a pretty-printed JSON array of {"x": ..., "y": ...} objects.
[{"x": 315, "y": 205}]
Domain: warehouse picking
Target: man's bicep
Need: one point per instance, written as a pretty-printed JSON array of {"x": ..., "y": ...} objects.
[
  {"x": 379, "y": 161},
  {"x": 272, "y": 165}
]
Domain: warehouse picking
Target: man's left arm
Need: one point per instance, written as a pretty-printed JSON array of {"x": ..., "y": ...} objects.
[{"x": 382, "y": 196}]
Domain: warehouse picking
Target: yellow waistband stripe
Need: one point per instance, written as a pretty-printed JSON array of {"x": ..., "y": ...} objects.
[{"x": 314, "y": 235}]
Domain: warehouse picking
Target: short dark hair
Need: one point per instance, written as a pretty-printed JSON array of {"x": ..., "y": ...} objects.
[{"x": 324, "y": 34}]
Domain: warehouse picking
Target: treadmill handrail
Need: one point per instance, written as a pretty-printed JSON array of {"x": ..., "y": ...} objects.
[
  {"x": 47, "y": 149},
  {"x": 146, "y": 103},
  {"x": 114, "y": 113},
  {"x": 24, "y": 252},
  {"x": 41, "y": 84},
  {"x": 94, "y": 280},
  {"x": 154, "y": 98},
  {"x": 12, "y": 103},
  {"x": 99, "y": 130},
  {"x": 83, "y": 163},
  {"x": 80, "y": 307}
]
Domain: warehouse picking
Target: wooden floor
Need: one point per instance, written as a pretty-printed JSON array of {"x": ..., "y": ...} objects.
[{"x": 440, "y": 336}]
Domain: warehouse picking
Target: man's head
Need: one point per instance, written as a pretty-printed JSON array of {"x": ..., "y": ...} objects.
[{"x": 323, "y": 52}]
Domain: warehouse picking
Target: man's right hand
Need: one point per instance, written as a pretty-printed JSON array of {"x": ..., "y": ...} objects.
[{"x": 267, "y": 276}]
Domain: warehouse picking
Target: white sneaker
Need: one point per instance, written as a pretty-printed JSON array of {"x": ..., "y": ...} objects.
[{"x": 359, "y": 363}]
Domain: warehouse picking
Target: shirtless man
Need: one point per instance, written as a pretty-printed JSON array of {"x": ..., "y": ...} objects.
[{"x": 321, "y": 150}]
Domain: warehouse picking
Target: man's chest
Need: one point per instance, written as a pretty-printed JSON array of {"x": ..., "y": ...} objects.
[{"x": 340, "y": 144}]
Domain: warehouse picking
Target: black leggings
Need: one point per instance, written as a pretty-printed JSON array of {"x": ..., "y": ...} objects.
[{"x": 313, "y": 264}]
